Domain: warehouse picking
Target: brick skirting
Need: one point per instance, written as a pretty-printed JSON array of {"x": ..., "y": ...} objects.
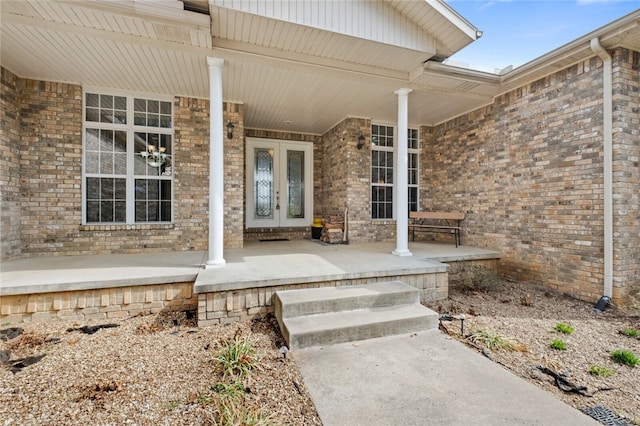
[
  {"x": 224, "y": 307},
  {"x": 98, "y": 304}
]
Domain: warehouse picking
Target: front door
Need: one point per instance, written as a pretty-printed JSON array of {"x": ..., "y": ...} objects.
[{"x": 279, "y": 183}]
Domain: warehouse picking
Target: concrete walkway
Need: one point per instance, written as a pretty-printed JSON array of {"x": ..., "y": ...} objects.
[{"x": 425, "y": 378}]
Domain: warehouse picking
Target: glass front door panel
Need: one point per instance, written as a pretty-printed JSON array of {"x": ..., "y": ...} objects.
[
  {"x": 279, "y": 183},
  {"x": 263, "y": 183},
  {"x": 295, "y": 184}
]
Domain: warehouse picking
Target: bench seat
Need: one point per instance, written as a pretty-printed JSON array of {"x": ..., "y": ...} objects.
[{"x": 443, "y": 222}]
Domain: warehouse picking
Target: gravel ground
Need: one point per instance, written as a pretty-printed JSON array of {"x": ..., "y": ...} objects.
[
  {"x": 528, "y": 316},
  {"x": 145, "y": 371},
  {"x": 161, "y": 369}
]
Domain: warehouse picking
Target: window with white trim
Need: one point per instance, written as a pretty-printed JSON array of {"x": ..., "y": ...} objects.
[
  {"x": 127, "y": 159},
  {"x": 383, "y": 150},
  {"x": 412, "y": 153}
]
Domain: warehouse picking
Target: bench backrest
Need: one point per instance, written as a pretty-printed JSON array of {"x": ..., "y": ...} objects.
[{"x": 437, "y": 215}]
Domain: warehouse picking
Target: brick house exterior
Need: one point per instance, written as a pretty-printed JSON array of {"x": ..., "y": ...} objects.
[{"x": 527, "y": 170}]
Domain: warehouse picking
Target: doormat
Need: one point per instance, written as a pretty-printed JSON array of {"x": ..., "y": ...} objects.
[
  {"x": 605, "y": 416},
  {"x": 268, "y": 240}
]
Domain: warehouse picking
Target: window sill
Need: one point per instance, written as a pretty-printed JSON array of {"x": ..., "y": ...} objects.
[
  {"x": 383, "y": 221},
  {"x": 126, "y": 227}
]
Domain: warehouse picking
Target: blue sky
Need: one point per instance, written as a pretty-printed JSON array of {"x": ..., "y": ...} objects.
[{"x": 518, "y": 31}]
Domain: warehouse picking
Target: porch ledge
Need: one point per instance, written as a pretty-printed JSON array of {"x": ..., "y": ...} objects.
[
  {"x": 72, "y": 273},
  {"x": 274, "y": 264},
  {"x": 210, "y": 282}
]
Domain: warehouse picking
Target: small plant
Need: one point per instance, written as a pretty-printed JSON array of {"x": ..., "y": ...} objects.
[
  {"x": 625, "y": 357},
  {"x": 230, "y": 411},
  {"x": 494, "y": 341},
  {"x": 235, "y": 389},
  {"x": 204, "y": 399},
  {"x": 630, "y": 332},
  {"x": 595, "y": 370},
  {"x": 563, "y": 328},
  {"x": 237, "y": 357},
  {"x": 559, "y": 345},
  {"x": 173, "y": 405},
  {"x": 470, "y": 278}
]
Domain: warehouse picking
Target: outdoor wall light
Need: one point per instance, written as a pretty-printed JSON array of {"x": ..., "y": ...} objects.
[
  {"x": 360, "y": 141},
  {"x": 230, "y": 128}
]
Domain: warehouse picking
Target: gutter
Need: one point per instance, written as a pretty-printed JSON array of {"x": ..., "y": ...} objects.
[{"x": 607, "y": 105}]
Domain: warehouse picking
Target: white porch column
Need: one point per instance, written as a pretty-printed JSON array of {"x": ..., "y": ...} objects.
[
  {"x": 216, "y": 165},
  {"x": 402, "y": 178}
]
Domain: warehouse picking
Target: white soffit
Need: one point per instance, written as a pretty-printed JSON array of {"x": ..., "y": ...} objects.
[
  {"x": 125, "y": 45},
  {"x": 312, "y": 77}
]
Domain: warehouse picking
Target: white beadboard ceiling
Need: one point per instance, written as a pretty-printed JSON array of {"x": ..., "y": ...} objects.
[{"x": 278, "y": 61}]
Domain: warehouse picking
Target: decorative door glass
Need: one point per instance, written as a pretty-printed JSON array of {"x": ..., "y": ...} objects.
[
  {"x": 295, "y": 183},
  {"x": 279, "y": 183},
  {"x": 263, "y": 183}
]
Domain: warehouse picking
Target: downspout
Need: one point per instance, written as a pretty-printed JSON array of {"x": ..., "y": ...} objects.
[{"x": 607, "y": 105}]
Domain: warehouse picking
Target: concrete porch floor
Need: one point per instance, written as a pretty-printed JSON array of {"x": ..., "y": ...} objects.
[{"x": 270, "y": 263}]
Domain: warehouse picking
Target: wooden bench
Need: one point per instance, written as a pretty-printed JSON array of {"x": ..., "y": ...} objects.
[{"x": 446, "y": 222}]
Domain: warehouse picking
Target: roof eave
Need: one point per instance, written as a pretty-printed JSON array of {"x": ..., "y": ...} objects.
[{"x": 456, "y": 19}]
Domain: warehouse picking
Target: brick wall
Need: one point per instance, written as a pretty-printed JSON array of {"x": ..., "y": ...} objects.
[
  {"x": 346, "y": 173},
  {"x": 224, "y": 307},
  {"x": 41, "y": 177},
  {"x": 191, "y": 180},
  {"x": 234, "y": 181},
  {"x": 528, "y": 172},
  {"x": 98, "y": 304},
  {"x": 9, "y": 166},
  {"x": 51, "y": 167},
  {"x": 626, "y": 179}
]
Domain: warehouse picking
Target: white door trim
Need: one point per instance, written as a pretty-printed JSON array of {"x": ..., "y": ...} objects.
[{"x": 280, "y": 148}]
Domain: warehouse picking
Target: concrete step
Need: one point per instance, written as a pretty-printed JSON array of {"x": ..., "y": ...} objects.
[
  {"x": 358, "y": 324},
  {"x": 293, "y": 303}
]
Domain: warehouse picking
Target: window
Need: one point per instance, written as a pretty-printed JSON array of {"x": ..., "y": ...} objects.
[
  {"x": 383, "y": 150},
  {"x": 412, "y": 150},
  {"x": 128, "y": 153}
]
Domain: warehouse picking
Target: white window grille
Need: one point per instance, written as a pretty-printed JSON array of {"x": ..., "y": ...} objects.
[
  {"x": 383, "y": 151},
  {"x": 127, "y": 159}
]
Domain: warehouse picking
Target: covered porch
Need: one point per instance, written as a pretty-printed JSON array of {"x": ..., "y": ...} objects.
[{"x": 119, "y": 285}]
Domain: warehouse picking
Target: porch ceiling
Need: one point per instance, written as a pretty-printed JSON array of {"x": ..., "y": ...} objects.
[
  {"x": 300, "y": 74},
  {"x": 303, "y": 75}
]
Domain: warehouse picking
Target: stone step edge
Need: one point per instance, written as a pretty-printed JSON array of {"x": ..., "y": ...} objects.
[
  {"x": 352, "y": 324},
  {"x": 312, "y": 301}
]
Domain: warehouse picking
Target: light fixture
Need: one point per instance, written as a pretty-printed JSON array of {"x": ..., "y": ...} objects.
[
  {"x": 360, "y": 141},
  {"x": 230, "y": 128},
  {"x": 155, "y": 157}
]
